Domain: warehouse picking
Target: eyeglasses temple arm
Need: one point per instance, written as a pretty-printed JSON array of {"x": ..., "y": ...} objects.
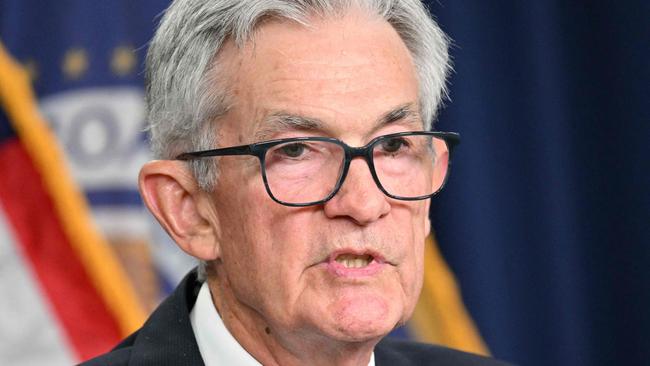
[{"x": 227, "y": 151}]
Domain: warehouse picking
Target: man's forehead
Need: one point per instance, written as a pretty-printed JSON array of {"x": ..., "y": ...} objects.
[
  {"x": 295, "y": 77},
  {"x": 305, "y": 44}
]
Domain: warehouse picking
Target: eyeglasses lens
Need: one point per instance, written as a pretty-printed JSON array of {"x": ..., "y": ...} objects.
[{"x": 300, "y": 172}]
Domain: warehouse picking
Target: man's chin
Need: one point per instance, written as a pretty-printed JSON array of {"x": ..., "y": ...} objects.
[
  {"x": 356, "y": 335},
  {"x": 362, "y": 320}
]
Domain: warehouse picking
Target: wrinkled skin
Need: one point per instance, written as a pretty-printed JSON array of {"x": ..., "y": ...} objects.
[{"x": 275, "y": 281}]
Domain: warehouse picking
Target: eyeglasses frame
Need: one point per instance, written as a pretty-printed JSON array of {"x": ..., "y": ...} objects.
[{"x": 259, "y": 149}]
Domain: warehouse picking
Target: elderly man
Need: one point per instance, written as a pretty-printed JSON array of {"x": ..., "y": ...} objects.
[{"x": 296, "y": 166}]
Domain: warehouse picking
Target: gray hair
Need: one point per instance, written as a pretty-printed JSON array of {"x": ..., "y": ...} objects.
[{"x": 185, "y": 91}]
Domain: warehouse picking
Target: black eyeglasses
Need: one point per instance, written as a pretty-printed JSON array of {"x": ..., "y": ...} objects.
[{"x": 305, "y": 171}]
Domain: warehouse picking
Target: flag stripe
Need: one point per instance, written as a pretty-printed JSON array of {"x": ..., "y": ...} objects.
[
  {"x": 99, "y": 261},
  {"x": 90, "y": 326},
  {"x": 27, "y": 317}
]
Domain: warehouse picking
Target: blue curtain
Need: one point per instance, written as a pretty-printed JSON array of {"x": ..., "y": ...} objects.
[{"x": 546, "y": 216}]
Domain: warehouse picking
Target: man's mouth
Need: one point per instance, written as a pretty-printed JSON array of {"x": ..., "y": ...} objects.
[
  {"x": 350, "y": 264},
  {"x": 354, "y": 261}
]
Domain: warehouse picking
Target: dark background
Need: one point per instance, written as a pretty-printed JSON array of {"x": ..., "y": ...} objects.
[{"x": 545, "y": 219}]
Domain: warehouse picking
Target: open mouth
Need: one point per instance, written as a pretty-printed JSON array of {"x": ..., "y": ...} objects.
[
  {"x": 347, "y": 263},
  {"x": 353, "y": 260}
]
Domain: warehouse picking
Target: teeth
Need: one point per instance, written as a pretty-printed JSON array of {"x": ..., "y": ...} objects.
[{"x": 354, "y": 261}]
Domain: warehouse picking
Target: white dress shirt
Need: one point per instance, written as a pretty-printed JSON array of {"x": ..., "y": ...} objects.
[{"x": 217, "y": 346}]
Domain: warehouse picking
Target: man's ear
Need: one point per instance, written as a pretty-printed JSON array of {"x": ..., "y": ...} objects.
[{"x": 186, "y": 212}]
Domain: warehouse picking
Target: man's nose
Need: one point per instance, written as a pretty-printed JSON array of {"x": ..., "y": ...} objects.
[{"x": 359, "y": 197}]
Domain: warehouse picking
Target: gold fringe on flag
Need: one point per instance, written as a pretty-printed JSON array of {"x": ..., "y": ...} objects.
[{"x": 440, "y": 316}]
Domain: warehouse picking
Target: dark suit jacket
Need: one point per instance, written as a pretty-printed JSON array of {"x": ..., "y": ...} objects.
[{"x": 167, "y": 338}]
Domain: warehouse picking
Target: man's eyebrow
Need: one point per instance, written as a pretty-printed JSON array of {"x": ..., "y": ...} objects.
[
  {"x": 405, "y": 112},
  {"x": 279, "y": 122},
  {"x": 282, "y": 121}
]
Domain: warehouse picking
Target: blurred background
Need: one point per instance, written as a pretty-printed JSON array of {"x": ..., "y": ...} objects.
[{"x": 544, "y": 223}]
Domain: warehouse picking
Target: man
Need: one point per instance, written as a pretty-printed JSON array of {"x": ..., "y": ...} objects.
[{"x": 311, "y": 248}]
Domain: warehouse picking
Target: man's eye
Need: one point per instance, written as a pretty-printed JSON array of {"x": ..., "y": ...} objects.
[
  {"x": 393, "y": 145},
  {"x": 293, "y": 150}
]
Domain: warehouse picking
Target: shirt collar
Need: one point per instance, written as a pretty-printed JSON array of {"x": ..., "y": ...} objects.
[{"x": 216, "y": 344}]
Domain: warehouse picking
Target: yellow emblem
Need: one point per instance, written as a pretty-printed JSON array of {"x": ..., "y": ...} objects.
[
  {"x": 75, "y": 63},
  {"x": 123, "y": 61}
]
